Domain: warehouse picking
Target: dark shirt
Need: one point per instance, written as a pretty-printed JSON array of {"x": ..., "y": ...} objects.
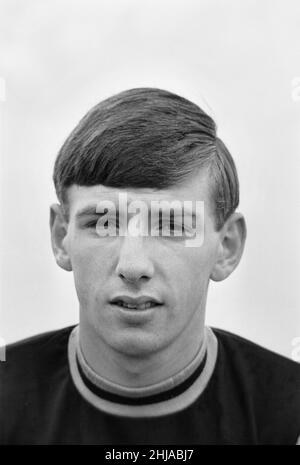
[{"x": 252, "y": 397}]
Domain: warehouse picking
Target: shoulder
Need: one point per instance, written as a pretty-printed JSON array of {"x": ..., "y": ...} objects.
[
  {"x": 33, "y": 358},
  {"x": 265, "y": 383},
  {"x": 252, "y": 356},
  {"x": 27, "y": 348},
  {"x": 32, "y": 382}
]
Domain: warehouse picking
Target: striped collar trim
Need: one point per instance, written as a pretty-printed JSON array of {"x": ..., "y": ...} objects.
[
  {"x": 164, "y": 398},
  {"x": 145, "y": 391}
]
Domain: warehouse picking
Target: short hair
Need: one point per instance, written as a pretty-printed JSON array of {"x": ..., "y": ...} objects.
[{"x": 147, "y": 138}]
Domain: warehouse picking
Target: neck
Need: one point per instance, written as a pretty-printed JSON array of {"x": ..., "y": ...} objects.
[
  {"x": 138, "y": 371},
  {"x": 169, "y": 396}
]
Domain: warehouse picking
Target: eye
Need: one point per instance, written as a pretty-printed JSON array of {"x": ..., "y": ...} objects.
[
  {"x": 91, "y": 224},
  {"x": 172, "y": 227},
  {"x": 110, "y": 221}
]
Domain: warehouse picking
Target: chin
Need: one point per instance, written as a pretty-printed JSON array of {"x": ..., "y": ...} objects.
[{"x": 135, "y": 345}]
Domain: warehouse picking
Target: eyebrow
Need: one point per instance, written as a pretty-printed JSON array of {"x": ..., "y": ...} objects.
[
  {"x": 90, "y": 210},
  {"x": 87, "y": 211},
  {"x": 176, "y": 212}
]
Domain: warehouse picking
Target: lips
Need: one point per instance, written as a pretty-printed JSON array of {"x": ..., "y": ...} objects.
[{"x": 135, "y": 303}]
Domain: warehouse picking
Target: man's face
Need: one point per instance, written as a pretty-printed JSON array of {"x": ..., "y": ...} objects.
[{"x": 159, "y": 268}]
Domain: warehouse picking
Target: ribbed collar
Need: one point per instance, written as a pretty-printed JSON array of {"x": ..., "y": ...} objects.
[{"x": 165, "y": 397}]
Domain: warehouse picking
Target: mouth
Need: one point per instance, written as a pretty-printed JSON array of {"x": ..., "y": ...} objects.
[
  {"x": 144, "y": 306},
  {"x": 130, "y": 303}
]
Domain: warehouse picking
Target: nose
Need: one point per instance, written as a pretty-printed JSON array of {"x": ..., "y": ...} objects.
[{"x": 134, "y": 263}]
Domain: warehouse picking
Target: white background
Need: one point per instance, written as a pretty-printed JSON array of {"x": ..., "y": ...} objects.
[{"x": 239, "y": 60}]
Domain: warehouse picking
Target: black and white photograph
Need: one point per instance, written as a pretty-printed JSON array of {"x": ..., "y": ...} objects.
[{"x": 150, "y": 224}]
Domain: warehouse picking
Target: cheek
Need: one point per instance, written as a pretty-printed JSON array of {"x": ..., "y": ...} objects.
[
  {"x": 90, "y": 264},
  {"x": 192, "y": 272}
]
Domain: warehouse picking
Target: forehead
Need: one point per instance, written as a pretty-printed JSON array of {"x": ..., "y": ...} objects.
[{"x": 195, "y": 188}]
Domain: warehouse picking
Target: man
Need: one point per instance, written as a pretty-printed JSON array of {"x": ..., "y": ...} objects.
[{"x": 141, "y": 367}]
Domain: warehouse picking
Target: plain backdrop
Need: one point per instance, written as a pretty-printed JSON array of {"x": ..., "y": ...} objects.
[{"x": 239, "y": 60}]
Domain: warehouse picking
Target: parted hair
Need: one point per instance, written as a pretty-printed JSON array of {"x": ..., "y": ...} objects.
[{"x": 147, "y": 138}]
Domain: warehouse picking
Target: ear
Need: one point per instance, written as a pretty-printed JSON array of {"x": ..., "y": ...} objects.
[
  {"x": 231, "y": 246},
  {"x": 59, "y": 228}
]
